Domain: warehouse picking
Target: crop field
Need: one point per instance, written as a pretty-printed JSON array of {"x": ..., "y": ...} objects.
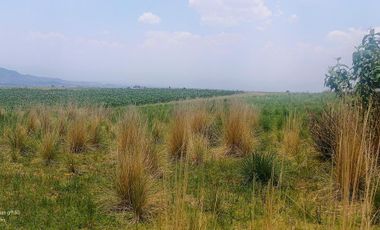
[
  {"x": 237, "y": 162},
  {"x": 107, "y": 97}
]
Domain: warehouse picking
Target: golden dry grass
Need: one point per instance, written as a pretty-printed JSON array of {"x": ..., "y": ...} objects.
[
  {"x": 238, "y": 137},
  {"x": 33, "y": 123},
  {"x": 178, "y": 135},
  {"x": 77, "y": 136},
  {"x": 198, "y": 149},
  {"x": 291, "y": 142},
  {"x": 48, "y": 146},
  {"x": 136, "y": 160},
  {"x": 356, "y": 170}
]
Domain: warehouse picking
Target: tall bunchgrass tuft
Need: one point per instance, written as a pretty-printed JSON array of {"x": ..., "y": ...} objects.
[
  {"x": 262, "y": 168},
  {"x": 238, "y": 138},
  {"x": 77, "y": 136},
  {"x": 33, "y": 123},
  {"x": 61, "y": 126},
  {"x": 200, "y": 121},
  {"x": 17, "y": 140},
  {"x": 157, "y": 131},
  {"x": 134, "y": 183},
  {"x": 131, "y": 130},
  {"x": 49, "y": 146},
  {"x": 179, "y": 135},
  {"x": 351, "y": 150},
  {"x": 323, "y": 129},
  {"x": 95, "y": 133},
  {"x": 198, "y": 149},
  {"x": 2, "y": 112},
  {"x": 356, "y": 168},
  {"x": 45, "y": 119},
  {"x": 291, "y": 143}
]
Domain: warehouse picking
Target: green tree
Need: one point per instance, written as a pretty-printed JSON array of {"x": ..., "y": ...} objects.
[{"x": 364, "y": 76}]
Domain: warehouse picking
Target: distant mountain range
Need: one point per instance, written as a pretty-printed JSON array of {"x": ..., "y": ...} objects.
[{"x": 11, "y": 78}]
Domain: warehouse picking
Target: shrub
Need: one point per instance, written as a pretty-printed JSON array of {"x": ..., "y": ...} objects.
[
  {"x": 237, "y": 130},
  {"x": 261, "y": 168}
]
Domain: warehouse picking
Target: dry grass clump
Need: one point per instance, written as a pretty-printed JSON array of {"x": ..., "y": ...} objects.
[
  {"x": 356, "y": 164},
  {"x": 200, "y": 121},
  {"x": 133, "y": 133},
  {"x": 157, "y": 131},
  {"x": 179, "y": 135},
  {"x": 17, "y": 140},
  {"x": 291, "y": 143},
  {"x": 131, "y": 130},
  {"x": 46, "y": 120},
  {"x": 33, "y": 123},
  {"x": 134, "y": 183},
  {"x": 61, "y": 126},
  {"x": 323, "y": 130},
  {"x": 95, "y": 133},
  {"x": 77, "y": 135},
  {"x": 198, "y": 149},
  {"x": 237, "y": 129},
  {"x": 2, "y": 112},
  {"x": 49, "y": 146}
]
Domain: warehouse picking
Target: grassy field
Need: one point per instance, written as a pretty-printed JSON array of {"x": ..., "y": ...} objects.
[{"x": 237, "y": 162}]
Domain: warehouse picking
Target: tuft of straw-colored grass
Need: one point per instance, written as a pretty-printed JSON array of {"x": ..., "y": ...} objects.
[
  {"x": 178, "y": 135},
  {"x": 291, "y": 142},
  {"x": 95, "y": 133},
  {"x": 200, "y": 121},
  {"x": 77, "y": 136},
  {"x": 238, "y": 138},
  {"x": 134, "y": 182},
  {"x": 356, "y": 166},
  {"x": 49, "y": 146},
  {"x": 33, "y": 123},
  {"x": 17, "y": 139},
  {"x": 198, "y": 149}
]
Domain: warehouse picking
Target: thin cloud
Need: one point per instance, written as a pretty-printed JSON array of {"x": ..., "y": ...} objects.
[
  {"x": 230, "y": 13},
  {"x": 149, "y": 18}
]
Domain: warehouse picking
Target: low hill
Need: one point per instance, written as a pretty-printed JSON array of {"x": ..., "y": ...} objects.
[{"x": 11, "y": 78}]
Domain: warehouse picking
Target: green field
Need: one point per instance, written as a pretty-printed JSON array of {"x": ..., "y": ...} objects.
[
  {"x": 208, "y": 189},
  {"x": 107, "y": 97}
]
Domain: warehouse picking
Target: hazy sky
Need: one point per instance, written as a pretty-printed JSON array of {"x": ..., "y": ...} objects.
[{"x": 272, "y": 45}]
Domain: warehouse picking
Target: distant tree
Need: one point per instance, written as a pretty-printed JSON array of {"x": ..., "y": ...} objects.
[{"x": 364, "y": 76}]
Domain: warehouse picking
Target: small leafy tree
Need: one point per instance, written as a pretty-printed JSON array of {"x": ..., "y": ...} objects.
[
  {"x": 339, "y": 78},
  {"x": 364, "y": 76}
]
